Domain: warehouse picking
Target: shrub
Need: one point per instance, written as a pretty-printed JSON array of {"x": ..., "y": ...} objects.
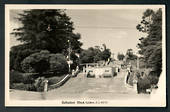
[
  {"x": 58, "y": 64},
  {"x": 31, "y": 87},
  {"x": 28, "y": 79},
  {"x": 19, "y": 86},
  {"x": 153, "y": 79},
  {"x": 15, "y": 77},
  {"x": 22, "y": 86},
  {"x": 37, "y": 62},
  {"x": 39, "y": 84},
  {"x": 44, "y": 62},
  {"x": 143, "y": 84}
]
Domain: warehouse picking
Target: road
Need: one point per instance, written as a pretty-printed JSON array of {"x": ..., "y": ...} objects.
[{"x": 83, "y": 88}]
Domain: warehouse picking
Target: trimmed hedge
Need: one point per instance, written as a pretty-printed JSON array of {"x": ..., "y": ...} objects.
[
  {"x": 15, "y": 77},
  {"x": 45, "y": 62},
  {"x": 22, "y": 86}
]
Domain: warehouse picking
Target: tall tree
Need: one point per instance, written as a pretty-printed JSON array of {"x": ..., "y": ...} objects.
[
  {"x": 47, "y": 30},
  {"x": 151, "y": 45},
  {"x": 44, "y": 29}
]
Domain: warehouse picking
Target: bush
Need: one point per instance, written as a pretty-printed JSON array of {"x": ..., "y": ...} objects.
[
  {"x": 58, "y": 64},
  {"x": 37, "y": 62},
  {"x": 22, "y": 86},
  {"x": 15, "y": 77},
  {"x": 143, "y": 84},
  {"x": 39, "y": 84},
  {"x": 153, "y": 79},
  {"x": 44, "y": 62},
  {"x": 28, "y": 79},
  {"x": 19, "y": 86}
]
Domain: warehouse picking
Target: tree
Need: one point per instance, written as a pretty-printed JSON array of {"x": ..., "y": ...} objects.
[
  {"x": 151, "y": 45},
  {"x": 120, "y": 56},
  {"x": 105, "y": 55},
  {"x": 146, "y": 22},
  {"x": 130, "y": 55},
  {"x": 94, "y": 54},
  {"x": 44, "y": 29},
  {"x": 89, "y": 56}
]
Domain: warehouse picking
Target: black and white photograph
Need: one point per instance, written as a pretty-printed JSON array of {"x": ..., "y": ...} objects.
[{"x": 85, "y": 55}]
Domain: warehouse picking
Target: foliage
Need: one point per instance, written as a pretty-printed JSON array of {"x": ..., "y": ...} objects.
[
  {"x": 153, "y": 78},
  {"x": 105, "y": 55},
  {"x": 120, "y": 56},
  {"x": 17, "y": 54},
  {"x": 39, "y": 84},
  {"x": 90, "y": 55},
  {"x": 44, "y": 61},
  {"x": 15, "y": 77},
  {"x": 130, "y": 55},
  {"x": 20, "y": 81},
  {"x": 151, "y": 45},
  {"x": 94, "y": 54},
  {"x": 22, "y": 86},
  {"x": 28, "y": 79},
  {"x": 58, "y": 64},
  {"x": 37, "y": 62},
  {"x": 143, "y": 84},
  {"x": 43, "y": 29}
]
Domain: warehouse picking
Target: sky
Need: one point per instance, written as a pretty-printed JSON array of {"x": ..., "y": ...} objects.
[{"x": 116, "y": 28}]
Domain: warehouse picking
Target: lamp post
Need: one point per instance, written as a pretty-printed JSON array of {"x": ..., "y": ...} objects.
[
  {"x": 69, "y": 49},
  {"x": 69, "y": 52}
]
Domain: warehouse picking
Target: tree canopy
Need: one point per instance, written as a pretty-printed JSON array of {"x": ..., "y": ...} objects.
[
  {"x": 94, "y": 54},
  {"x": 120, "y": 56},
  {"x": 151, "y": 45},
  {"x": 130, "y": 55},
  {"x": 43, "y": 29},
  {"x": 47, "y": 30}
]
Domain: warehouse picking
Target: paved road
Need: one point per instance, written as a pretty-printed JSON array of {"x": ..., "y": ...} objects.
[{"x": 82, "y": 88}]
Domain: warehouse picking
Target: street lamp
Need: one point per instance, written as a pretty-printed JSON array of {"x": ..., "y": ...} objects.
[
  {"x": 69, "y": 52},
  {"x": 69, "y": 49}
]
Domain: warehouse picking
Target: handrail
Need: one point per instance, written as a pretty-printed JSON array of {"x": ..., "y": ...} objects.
[{"x": 60, "y": 82}]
